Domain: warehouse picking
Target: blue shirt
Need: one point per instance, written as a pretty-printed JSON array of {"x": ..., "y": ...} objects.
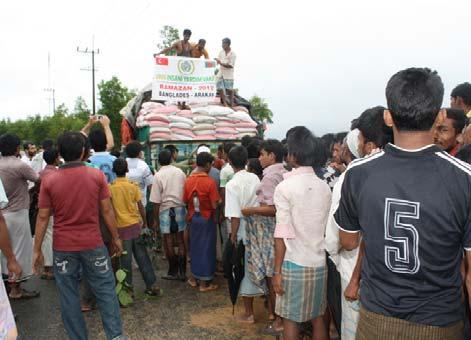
[{"x": 104, "y": 161}]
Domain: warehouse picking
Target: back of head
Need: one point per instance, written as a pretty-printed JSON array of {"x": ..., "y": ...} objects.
[
  {"x": 133, "y": 149},
  {"x": 228, "y": 146},
  {"x": 253, "y": 149},
  {"x": 238, "y": 157},
  {"x": 50, "y": 155},
  {"x": 305, "y": 148},
  {"x": 246, "y": 140},
  {"x": 464, "y": 154},
  {"x": 71, "y": 145},
  {"x": 98, "y": 140},
  {"x": 165, "y": 157},
  {"x": 372, "y": 127},
  {"x": 275, "y": 147},
  {"x": 120, "y": 167},
  {"x": 463, "y": 91},
  {"x": 172, "y": 148},
  {"x": 414, "y": 98},
  {"x": 458, "y": 117},
  {"x": 47, "y": 144},
  {"x": 204, "y": 160},
  {"x": 254, "y": 166},
  {"x": 9, "y": 144}
]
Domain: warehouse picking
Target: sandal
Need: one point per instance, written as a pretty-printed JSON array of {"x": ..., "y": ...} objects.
[
  {"x": 245, "y": 319},
  {"x": 154, "y": 291},
  {"x": 271, "y": 330},
  {"x": 192, "y": 283},
  {"x": 25, "y": 294},
  {"x": 208, "y": 288}
]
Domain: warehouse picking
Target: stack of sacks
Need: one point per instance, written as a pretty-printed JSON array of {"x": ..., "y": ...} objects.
[
  {"x": 181, "y": 127},
  {"x": 244, "y": 124},
  {"x": 204, "y": 131}
]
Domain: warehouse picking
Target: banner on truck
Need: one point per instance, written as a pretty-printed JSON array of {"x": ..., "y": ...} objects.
[{"x": 179, "y": 79}]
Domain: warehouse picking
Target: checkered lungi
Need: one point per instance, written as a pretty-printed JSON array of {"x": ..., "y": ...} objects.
[
  {"x": 260, "y": 246},
  {"x": 305, "y": 292},
  {"x": 373, "y": 326}
]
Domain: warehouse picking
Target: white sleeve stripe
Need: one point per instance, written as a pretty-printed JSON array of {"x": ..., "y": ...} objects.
[
  {"x": 454, "y": 162},
  {"x": 348, "y": 231},
  {"x": 467, "y": 249},
  {"x": 365, "y": 160}
]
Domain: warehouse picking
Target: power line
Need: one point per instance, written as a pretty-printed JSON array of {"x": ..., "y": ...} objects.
[{"x": 93, "y": 69}]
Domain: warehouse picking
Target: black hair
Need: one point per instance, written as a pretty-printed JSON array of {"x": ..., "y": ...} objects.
[
  {"x": 133, "y": 149},
  {"x": 50, "y": 155},
  {"x": 463, "y": 91},
  {"x": 227, "y": 41},
  {"x": 186, "y": 31},
  {"x": 120, "y": 167},
  {"x": 202, "y": 41},
  {"x": 464, "y": 153},
  {"x": 172, "y": 148},
  {"x": 98, "y": 140},
  {"x": 354, "y": 124},
  {"x": 204, "y": 159},
  {"x": 296, "y": 129},
  {"x": 458, "y": 117},
  {"x": 339, "y": 137},
  {"x": 115, "y": 152},
  {"x": 26, "y": 145},
  {"x": 165, "y": 157},
  {"x": 47, "y": 144},
  {"x": 246, "y": 140},
  {"x": 9, "y": 144},
  {"x": 221, "y": 147},
  {"x": 329, "y": 140},
  {"x": 238, "y": 157},
  {"x": 228, "y": 146},
  {"x": 274, "y": 146},
  {"x": 253, "y": 149},
  {"x": 372, "y": 127},
  {"x": 414, "y": 98},
  {"x": 71, "y": 145},
  {"x": 254, "y": 166},
  {"x": 307, "y": 149}
]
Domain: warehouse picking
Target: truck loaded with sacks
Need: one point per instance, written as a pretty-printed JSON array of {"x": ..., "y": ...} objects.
[{"x": 157, "y": 124}]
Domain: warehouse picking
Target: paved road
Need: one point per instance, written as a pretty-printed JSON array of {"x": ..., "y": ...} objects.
[{"x": 181, "y": 313}]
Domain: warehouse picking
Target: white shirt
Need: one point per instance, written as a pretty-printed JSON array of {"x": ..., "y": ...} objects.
[
  {"x": 139, "y": 172},
  {"x": 225, "y": 175},
  {"x": 26, "y": 160},
  {"x": 38, "y": 163},
  {"x": 224, "y": 72},
  {"x": 302, "y": 204},
  {"x": 241, "y": 192},
  {"x": 344, "y": 260}
]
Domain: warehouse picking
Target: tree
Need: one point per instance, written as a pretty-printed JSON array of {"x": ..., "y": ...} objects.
[
  {"x": 81, "y": 109},
  {"x": 169, "y": 35},
  {"x": 114, "y": 96},
  {"x": 259, "y": 109}
]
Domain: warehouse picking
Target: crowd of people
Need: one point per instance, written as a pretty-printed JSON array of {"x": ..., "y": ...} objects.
[{"x": 365, "y": 233}]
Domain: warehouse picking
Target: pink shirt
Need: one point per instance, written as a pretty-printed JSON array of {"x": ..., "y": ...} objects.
[
  {"x": 272, "y": 176},
  {"x": 167, "y": 188},
  {"x": 302, "y": 204}
]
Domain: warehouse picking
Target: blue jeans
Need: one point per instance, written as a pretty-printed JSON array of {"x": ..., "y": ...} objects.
[
  {"x": 138, "y": 249},
  {"x": 96, "y": 267}
]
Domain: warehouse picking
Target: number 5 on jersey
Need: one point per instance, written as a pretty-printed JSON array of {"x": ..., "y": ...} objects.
[{"x": 401, "y": 251}]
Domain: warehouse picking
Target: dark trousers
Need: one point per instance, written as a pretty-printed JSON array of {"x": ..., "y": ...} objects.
[
  {"x": 138, "y": 249},
  {"x": 334, "y": 293},
  {"x": 96, "y": 267}
]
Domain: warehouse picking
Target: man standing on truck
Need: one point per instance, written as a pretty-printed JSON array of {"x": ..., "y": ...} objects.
[
  {"x": 198, "y": 50},
  {"x": 182, "y": 47},
  {"x": 225, "y": 76}
]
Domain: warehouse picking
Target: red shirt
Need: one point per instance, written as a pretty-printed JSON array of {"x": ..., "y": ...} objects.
[
  {"x": 206, "y": 189},
  {"x": 74, "y": 193},
  {"x": 219, "y": 163}
]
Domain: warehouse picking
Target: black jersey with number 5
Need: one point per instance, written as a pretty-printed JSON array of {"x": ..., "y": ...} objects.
[{"x": 413, "y": 209}]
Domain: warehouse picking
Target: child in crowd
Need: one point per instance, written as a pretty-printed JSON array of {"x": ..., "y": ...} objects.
[
  {"x": 241, "y": 192},
  {"x": 302, "y": 204},
  {"x": 131, "y": 217}
]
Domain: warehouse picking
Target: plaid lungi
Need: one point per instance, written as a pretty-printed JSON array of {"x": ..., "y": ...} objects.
[
  {"x": 304, "y": 295},
  {"x": 373, "y": 326},
  {"x": 260, "y": 247}
]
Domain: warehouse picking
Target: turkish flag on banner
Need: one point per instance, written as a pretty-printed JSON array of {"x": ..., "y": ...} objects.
[{"x": 161, "y": 61}]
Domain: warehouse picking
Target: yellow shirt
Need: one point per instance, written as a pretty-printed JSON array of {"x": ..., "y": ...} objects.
[{"x": 124, "y": 196}]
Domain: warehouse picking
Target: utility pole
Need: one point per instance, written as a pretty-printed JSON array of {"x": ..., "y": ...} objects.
[
  {"x": 93, "y": 69},
  {"x": 50, "y": 88}
]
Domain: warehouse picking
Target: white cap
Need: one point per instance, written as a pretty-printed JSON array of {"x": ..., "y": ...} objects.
[
  {"x": 203, "y": 148},
  {"x": 352, "y": 142}
]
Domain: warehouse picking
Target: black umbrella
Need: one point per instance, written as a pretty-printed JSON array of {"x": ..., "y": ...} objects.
[{"x": 233, "y": 266}]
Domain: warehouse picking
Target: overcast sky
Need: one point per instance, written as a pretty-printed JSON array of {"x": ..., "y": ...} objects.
[{"x": 317, "y": 63}]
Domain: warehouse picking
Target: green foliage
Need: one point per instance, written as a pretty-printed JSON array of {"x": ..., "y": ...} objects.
[
  {"x": 114, "y": 96},
  {"x": 169, "y": 35},
  {"x": 260, "y": 110},
  {"x": 123, "y": 290}
]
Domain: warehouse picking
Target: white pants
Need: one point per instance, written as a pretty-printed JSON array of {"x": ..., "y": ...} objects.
[
  {"x": 46, "y": 247},
  {"x": 21, "y": 240},
  {"x": 350, "y": 315}
]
